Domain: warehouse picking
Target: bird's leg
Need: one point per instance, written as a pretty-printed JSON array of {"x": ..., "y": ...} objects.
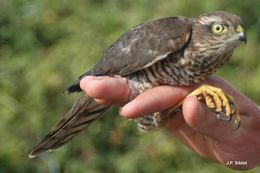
[
  {"x": 147, "y": 123},
  {"x": 216, "y": 99}
]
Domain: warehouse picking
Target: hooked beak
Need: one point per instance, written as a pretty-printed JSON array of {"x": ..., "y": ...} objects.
[{"x": 242, "y": 35}]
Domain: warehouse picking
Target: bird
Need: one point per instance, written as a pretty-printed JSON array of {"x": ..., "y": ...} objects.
[{"x": 178, "y": 51}]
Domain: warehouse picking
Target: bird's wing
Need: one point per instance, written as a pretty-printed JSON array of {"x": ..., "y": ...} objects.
[
  {"x": 141, "y": 47},
  {"x": 144, "y": 45}
]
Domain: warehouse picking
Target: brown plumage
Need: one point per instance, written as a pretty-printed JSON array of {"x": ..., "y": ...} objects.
[{"x": 174, "y": 51}]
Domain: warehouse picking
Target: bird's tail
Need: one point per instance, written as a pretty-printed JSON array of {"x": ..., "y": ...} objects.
[{"x": 83, "y": 113}]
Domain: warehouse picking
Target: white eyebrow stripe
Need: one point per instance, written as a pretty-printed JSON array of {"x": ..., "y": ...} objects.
[{"x": 206, "y": 20}]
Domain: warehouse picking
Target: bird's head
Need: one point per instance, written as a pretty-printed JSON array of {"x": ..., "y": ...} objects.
[{"x": 218, "y": 32}]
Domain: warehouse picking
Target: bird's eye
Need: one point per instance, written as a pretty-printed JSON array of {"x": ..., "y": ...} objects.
[{"x": 218, "y": 28}]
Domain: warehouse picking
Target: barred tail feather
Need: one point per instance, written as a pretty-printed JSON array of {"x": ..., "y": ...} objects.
[{"x": 83, "y": 113}]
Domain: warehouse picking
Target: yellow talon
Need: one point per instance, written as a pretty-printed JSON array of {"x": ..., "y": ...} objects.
[{"x": 218, "y": 101}]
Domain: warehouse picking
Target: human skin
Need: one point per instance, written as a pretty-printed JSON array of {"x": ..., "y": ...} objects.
[{"x": 195, "y": 126}]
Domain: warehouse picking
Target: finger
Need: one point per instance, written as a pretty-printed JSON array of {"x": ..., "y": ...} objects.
[
  {"x": 154, "y": 100},
  {"x": 106, "y": 102},
  {"x": 175, "y": 122},
  {"x": 188, "y": 136},
  {"x": 105, "y": 89},
  {"x": 204, "y": 121},
  {"x": 110, "y": 102},
  {"x": 249, "y": 111}
]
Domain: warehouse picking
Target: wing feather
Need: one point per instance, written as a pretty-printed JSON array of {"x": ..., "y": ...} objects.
[{"x": 141, "y": 47}]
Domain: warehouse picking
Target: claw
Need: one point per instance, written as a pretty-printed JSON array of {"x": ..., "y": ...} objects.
[
  {"x": 219, "y": 102},
  {"x": 223, "y": 117},
  {"x": 216, "y": 99}
]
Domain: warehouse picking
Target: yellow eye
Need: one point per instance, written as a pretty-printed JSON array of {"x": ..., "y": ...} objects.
[{"x": 218, "y": 28}]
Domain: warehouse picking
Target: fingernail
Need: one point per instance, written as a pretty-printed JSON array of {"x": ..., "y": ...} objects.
[
  {"x": 84, "y": 81},
  {"x": 99, "y": 77},
  {"x": 120, "y": 111},
  {"x": 126, "y": 110},
  {"x": 91, "y": 78}
]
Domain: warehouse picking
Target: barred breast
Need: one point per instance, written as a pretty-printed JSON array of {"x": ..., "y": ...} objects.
[
  {"x": 170, "y": 71},
  {"x": 176, "y": 70}
]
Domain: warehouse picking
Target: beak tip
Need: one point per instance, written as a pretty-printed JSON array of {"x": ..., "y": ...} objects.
[{"x": 243, "y": 38}]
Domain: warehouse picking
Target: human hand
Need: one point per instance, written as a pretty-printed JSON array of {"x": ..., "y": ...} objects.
[{"x": 196, "y": 126}]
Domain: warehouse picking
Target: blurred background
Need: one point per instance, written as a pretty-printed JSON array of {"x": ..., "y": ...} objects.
[{"x": 47, "y": 44}]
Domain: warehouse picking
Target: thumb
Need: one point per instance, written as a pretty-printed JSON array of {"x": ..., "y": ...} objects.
[
  {"x": 106, "y": 90},
  {"x": 199, "y": 117}
]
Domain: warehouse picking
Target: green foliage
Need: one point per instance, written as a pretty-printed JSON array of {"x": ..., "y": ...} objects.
[{"x": 46, "y": 44}]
